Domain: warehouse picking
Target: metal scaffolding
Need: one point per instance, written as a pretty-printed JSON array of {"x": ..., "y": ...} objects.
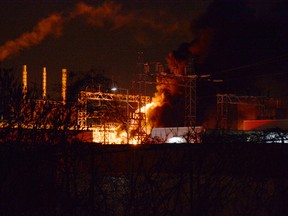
[
  {"x": 155, "y": 74},
  {"x": 134, "y": 117},
  {"x": 190, "y": 102},
  {"x": 224, "y": 100}
]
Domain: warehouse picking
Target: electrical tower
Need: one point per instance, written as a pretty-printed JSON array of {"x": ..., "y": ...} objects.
[
  {"x": 223, "y": 109},
  {"x": 153, "y": 72},
  {"x": 102, "y": 110}
]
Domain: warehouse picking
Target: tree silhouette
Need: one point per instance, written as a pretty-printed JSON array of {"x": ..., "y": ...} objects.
[{"x": 86, "y": 81}]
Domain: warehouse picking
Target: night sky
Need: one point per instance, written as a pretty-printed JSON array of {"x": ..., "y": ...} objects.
[
  {"x": 242, "y": 42},
  {"x": 82, "y": 44},
  {"x": 248, "y": 48}
]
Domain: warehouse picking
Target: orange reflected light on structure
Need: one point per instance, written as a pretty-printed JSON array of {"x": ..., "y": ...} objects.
[
  {"x": 112, "y": 135},
  {"x": 64, "y": 84},
  {"x": 107, "y": 134},
  {"x": 115, "y": 134},
  {"x": 44, "y": 81},
  {"x": 24, "y": 79},
  {"x": 147, "y": 109}
]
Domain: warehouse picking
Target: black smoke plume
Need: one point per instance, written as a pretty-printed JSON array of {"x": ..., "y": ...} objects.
[{"x": 244, "y": 43}]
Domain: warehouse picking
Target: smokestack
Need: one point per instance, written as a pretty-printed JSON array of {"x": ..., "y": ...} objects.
[
  {"x": 146, "y": 68},
  {"x": 64, "y": 84},
  {"x": 24, "y": 80},
  {"x": 44, "y": 95}
]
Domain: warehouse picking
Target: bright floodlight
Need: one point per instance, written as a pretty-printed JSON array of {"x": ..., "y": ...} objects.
[{"x": 176, "y": 140}]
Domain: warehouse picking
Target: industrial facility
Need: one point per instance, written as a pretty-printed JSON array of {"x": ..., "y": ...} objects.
[{"x": 170, "y": 116}]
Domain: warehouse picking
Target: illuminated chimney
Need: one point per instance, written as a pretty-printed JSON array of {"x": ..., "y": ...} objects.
[
  {"x": 44, "y": 92},
  {"x": 146, "y": 68},
  {"x": 64, "y": 84},
  {"x": 24, "y": 80}
]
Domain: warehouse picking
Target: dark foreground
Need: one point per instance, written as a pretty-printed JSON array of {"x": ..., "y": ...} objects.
[{"x": 167, "y": 179}]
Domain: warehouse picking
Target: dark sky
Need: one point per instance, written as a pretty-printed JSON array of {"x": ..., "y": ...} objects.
[
  {"x": 248, "y": 48},
  {"x": 230, "y": 39},
  {"x": 81, "y": 44}
]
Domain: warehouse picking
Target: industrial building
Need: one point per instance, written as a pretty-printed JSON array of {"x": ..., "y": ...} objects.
[
  {"x": 251, "y": 112},
  {"x": 113, "y": 117},
  {"x": 118, "y": 117}
]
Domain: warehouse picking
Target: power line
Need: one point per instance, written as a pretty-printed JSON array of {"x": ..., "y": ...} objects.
[{"x": 265, "y": 61}]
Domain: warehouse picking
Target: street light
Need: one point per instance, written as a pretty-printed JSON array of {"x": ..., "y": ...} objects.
[{"x": 115, "y": 89}]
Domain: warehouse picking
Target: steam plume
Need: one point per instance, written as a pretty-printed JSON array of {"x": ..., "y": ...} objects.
[
  {"x": 109, "y": 14},
  {"x": 51, "y": 25}
]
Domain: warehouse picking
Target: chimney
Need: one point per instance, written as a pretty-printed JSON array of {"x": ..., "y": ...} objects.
[
  {"x": 44, "y": 92},
  {"x": 64, "y": 85},
  {"x": 24, "y": 80},
  {"x": 146, "y": 68}
]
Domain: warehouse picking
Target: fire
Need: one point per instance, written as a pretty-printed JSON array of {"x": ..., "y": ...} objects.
[
  {"x": 164, "y": 111},
  {"x": 115, "y": 134},
  {"x": 145, "y": 109},
  {"x": 112, "y": 134},
  {"x": 107, "y": 134}
]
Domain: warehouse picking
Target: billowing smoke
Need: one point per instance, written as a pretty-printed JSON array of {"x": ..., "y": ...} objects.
[
  {"x": 109, "y": 14},
  {"x": 234, "y": 41},
  {"x": 168, "y": 108},
  {"x": 245, "y": 42},
  {"x": 51, "y": 25},
  {"x": 168, "y": 102},
  {"x": 113, "y": 16},
  {"x": 246, "y": 35}
]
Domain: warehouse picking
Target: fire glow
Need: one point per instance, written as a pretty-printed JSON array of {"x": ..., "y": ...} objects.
[{"x": 114, "y": 134}]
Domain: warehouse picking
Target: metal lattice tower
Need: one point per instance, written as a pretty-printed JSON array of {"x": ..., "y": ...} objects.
[
  {"x": 224, "y": 100},
  {"x": 190, "y": 97},
  {"x": 139, "y": 118},
  {"x": 155, "y": 70},
  {"x": 133, "y": 117},
  {"x": 84, "y": 96}
]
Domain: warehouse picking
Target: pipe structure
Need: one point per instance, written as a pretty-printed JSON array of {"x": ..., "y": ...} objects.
[
  {"x": 64, "y": 85},
  {"x": 44, "y": 83},
  {"x": 24, "y": 80},
  {"x": 115, "y": 89}
]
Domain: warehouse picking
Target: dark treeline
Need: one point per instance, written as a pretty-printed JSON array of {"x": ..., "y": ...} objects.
[{"x": 167, "y": 179}]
